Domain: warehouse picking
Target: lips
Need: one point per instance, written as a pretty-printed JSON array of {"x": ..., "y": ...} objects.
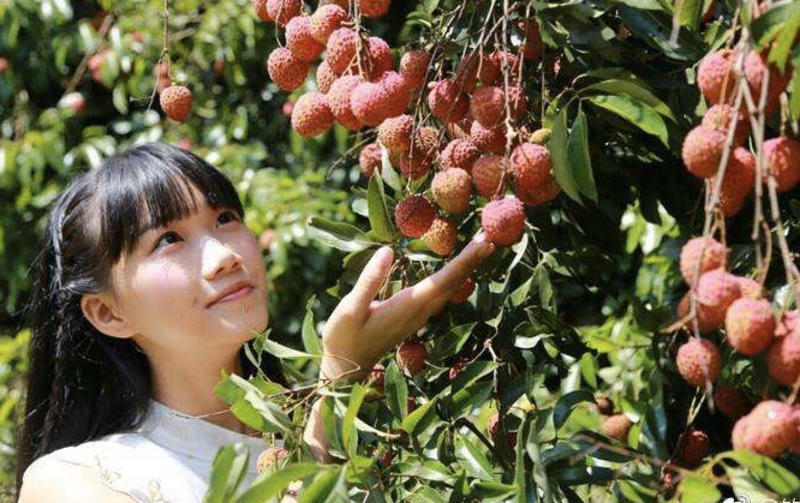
[{"x": 234, "y": 288}]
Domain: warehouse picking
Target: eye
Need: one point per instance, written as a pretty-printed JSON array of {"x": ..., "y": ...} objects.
[
  {"x": 161, "y": 239},
  {"x": 234, "y": 216}
]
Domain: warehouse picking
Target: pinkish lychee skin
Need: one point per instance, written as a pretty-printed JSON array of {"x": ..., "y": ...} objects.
[
  {"x": 750, "y": 288},
  {"x": 705, "y": 323},
  {"x": 282, "y": 11},
  {"x": 699, "y": 360},
  {"x": 311, "y": 115},
  {"x": 769, "y": 429},
  {"x": 339, "y": 99},
  {"x": 713, "y": 257},
  {"x": 530, "y": 164},
  {"x": 783, "y": 358},
  {"x": 755, "y": 68},
  {"x": 492, "y": 141},
  {"x": 487, "y": 173},
  {"x": 325, "y": 77},
  {"x": 503, "y": 220},
  {"x": 396, "y": 91},
  {"x": 299, "y": 39},
  {"x": 544, "y": 194},
  {"x": 452, "y": 190},
  {"x": 738, "y": 182},
  {"x": 447, "y": 102},
  {"x": 325, "y": 21},
  {"x": 488, "y": 105},
  {"x": 721, "y": 116},
  {"x": 749, "y": 325},
  {"x": 715, "y": 76},
  {"x": 373, "y": 8},
  {"x": 474, "y": 66},
  {"x": 411, "y": 357},
  {"x": 414, "y": 216},
  {"x": 370, "y": 159},
  {"x": 370, "y": 103},
  {"x": 394, "y": 133},
  {"x": 702, "y": 151},
  {"x": 459, "y": 153},
  {"x": 340, "y": 50},
  {"x": 286, "y": 70},
  {"x": 380, "y": 58},
  {"x": 716, "y": 290},
  {"x": 617, "y": 427},
  {"x": 414, "y": 67},
  {"x": 782, "y": 159}
]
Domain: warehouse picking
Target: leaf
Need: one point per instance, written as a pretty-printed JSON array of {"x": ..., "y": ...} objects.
[
  {"x": 349, "y": 432},
  {"x": 321, "y": 487},
  {"x": 691, "y": 10},
  {"x": 493, "y": 491},
  {"x": 566, "y": 403},
  {"x": 578, "y": 153},
  {"x": 695, "y": 490},
  {"x": 227, "y": 472},
  {"x": 771, "y": 23},
  {"x": 778, "y": 478},
  {"x": 309, "y": 333},
  {"x": 414, "y": 419},
  {"x": 379, "y": 219},
  {"x": 559, "y": 155},
  {"x": 472, "y": 459},
  {"x": 338, "y": 235},
  {"x": 785, "y": 40},
  {"x": 637, "y": 113},
  {"x": 635, "y": 89},
  {"x": 282, "y": 351},
  {"x": 278, "y": 481},
  {"x": 388, "y": 173},
  {"x": 396, "y": 390}
]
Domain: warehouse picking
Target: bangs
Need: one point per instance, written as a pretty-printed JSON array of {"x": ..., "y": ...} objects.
[{"x": 149, "y": 186}]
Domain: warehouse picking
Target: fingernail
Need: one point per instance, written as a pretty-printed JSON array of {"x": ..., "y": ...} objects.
[{"x": 480, "y": 237}]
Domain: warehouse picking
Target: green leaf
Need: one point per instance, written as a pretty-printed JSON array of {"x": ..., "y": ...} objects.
[
  {"x": 411, "y": 421},
  {"x": 775, "y": 476},
  {"x": 388, "y": 173},
  {"x": 338, "y": 235},
  {"x": 695, "y": 490},
  {"x": 472, "y": 459},
  {"x": 691, "y": 10},
  {"x": 271, "y": 486},
  {"x": 578, "y": 153},
  {"x": 493, "y": 491},
  {"x": 635, "y": 112},
  {"x": 633, "y": 88},
  {"x": 396, "y": 390},
  {"x": 311, "y": 340},
  {"x": 321, "y": 487},
  {"x": 772, "y": 22},
  {"x": 379, "y": 219},
  {"x": 559, "y": 155},
  {"x": 566, "y": 403},
  {"x": 282, "y": 351},
  {"x": 349, "y": 432},
  {"x": 785, "y": 40},
  {"x": 227, "y": 472}
]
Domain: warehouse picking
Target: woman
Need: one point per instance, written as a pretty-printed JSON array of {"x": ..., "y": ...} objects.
[{"x": 148, "y": 285}]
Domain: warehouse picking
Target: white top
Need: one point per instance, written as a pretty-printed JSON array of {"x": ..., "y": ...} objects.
[{"x": 167, "y": 459}]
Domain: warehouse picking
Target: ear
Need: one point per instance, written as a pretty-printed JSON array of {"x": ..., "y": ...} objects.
[{"x": 104, "y": 314}]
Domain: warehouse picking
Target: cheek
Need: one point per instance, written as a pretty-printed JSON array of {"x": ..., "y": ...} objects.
[{"x": 159, "y": 285}]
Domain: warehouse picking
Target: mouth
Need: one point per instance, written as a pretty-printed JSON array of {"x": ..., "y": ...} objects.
[{"x": 239, "y": 291}]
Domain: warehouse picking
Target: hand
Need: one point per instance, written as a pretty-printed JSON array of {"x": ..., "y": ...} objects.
[{"x": 361, "y": 329}]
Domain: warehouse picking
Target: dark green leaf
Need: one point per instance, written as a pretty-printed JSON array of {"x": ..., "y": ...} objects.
[
  {"x": 579, "y": 159},
  {"x": 559, "y": 155},
  {"x": 636, "y": 112},
  {"x": 379, "y": 219}
]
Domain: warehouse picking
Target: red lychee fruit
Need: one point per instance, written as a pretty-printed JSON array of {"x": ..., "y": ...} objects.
[
  {"x": 487, "y": 105},
  {"x": 462, "y": 293},
  {"x": 474, "y": 66},
  {"x": 604, "y": 405},
  {"x": 503, "y": 220},
  {"x": 325, "y": 21},
  {"x": 698, "y": 360},
  {"x": 271, "y": 457},
  {"x": 176, "y": 101},
  {"x": 299, "y": 40},
  {"x": 492, "y": 140},
  {"x": 260, "y": 8},
  {"x": 749, "y": 325},
  {"x": 731, "y": 402},
  {"x": 532, "y": 48},
  {"x": 456, "y": 369},
  {"x": 720, "y": 117},
  {"x": 506, "y": 62},
  {"x": 769, "y": 429},
  {"x": 755, "y": 68},
  {"x": 459, "y": 153},
  {"x": 394, "y": 133},
  {"x": 414, "y": 216},
  {"x": 617, "y": 427},
  {"x": 716, "y": 290},
  {"x": 411, "y": 356},
  {"x": 750, "y": 288},
  {"x": 312, "y": 114},
  {"x": 325, "y": 77},
  {"x": 370, "y": 103},
  {"x": 738, "y": 181},
  {"x": 715, "y": 76},
  {"x": 447, "y": 102},
  {"x": 713, "y": 256},
  {"x": 373, "y": 8},
  {"x": 419, "y": 159},
  {"x": 283, "y": 10},
  {"x": 783, "y": 358},
  {"x": 782, "y": 159},
  {"x": 414, "y": 67},
  {"x": 452, "y": 190},
  {"x": 694, "y": 445},
  {"x": 339, "y": 100},
  {"x": 487, "y": 173},
  {"x": 544, "y": 194},
  {"x": 286, "y": 70},
  {"x": 380, "y": 59},
  {"x": 396, "y": 93},
  {"x": 530, "y": 164},
  {"x": 702, "y": 151},
  {"x": 705, "y": 316},
  {"x": 370, "y": 159},
  {"x": 340, "y": 50},
  {"x": 441, "y": 237}
]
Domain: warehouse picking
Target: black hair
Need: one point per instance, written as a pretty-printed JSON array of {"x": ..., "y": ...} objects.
[{"x": 81, "y": 383}]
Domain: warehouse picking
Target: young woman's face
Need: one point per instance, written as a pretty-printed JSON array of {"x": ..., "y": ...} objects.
[{"x": 166, "y": 286}]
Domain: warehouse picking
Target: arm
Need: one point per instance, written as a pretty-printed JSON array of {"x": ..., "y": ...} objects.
[
  {"x": 49, "y": 480},
  {"x": 361, "y": 329}
]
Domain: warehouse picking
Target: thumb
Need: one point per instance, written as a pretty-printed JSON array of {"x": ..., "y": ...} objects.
[{"x": 372, "y": 277}]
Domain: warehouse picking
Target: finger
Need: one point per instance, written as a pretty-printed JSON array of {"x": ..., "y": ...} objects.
[
  {"x": 444, "y": 282},
  {"x": 372, "y": 277}
]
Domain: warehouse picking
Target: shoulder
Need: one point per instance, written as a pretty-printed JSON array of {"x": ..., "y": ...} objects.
[{"x": 52, "y": 480}]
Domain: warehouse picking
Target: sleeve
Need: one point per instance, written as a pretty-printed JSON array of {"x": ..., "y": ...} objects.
[{"x": 122, "y": 470}]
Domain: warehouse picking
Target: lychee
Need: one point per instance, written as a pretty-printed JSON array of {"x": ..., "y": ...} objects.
[
  {"x": 462, "y": 293},
  {"x": 452, "y": 190},
  {"x": 447, "y": 102},
  {"x": 286, "y": 70},
  {"x": 755, "y": 69},
  {"x": 176, "y": 101},
  {"x": 731, "y": 402},
  {"x": 716, "y": 290},
  {"x": 340, "y": 50},
  {"x": 414, "y": 67},
  {"x": 476, "y": 66},
  {"x": 604, "y": 405},
  {"x": 394, "y": 133},
  {"x": 715, "y": 76},
  {"x": 299, "y": 39},
  {"x": 783, "y": 358},
  {"x": 373, "y": 8},
  {"x": 720, "y": 117},
  {"x": 507, "y": 63},
  {"x": 487, "y": 173},
  {"x": 376, "y": 375},
  {"x": 749, "y": 325},
  {"x": 769, "y": 429},
  {"x": 750, "y": 288},
  {"x": 260, "y": 8},
  {"x": 339, "y": 100},
  {"x": 441, "y": 237},
  {"x": 713, "y": 255},
  {"x": 706, "y": 320},
  {"x": 270, "y": 457},
  {"x": 370, "y": 159},
  {"x": 396, "y": 92},
  {"x": 503, "y": 220},
  {"x": 490, "y": 140},
  {"x": 694, "y": 445},
  {"x": 617, "y": 427},
  {"x": 283, "y": 10},
  {"x": 370, "y": 103},
  {"x": 487, "y": 105},
  {"x": 325, "y": 77},
  {"x": 530, "y": 164},
  {"x": 380, "y": 58},
  {"x": 702, "y": 151},
  {"x": 493, "y": 425},
  {"x": 411, "y": 356},
  {"x": 782, "y": 159},
  {"x": 312, "y": 114},
  {"x": 459, "y": 153},
  {"x": 325, "y": 21},
  {"x": 161, "y": 71},
  {"x": 414, "y": 216},
  {"x": 456, "y": 369},
  {"x": 738, "y": 181},
  {"x": 532, "y": 47},
  {"x": 698, "y": 360}
]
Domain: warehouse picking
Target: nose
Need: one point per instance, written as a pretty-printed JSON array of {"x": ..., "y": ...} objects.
[{"x": 219, "y": 259}]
